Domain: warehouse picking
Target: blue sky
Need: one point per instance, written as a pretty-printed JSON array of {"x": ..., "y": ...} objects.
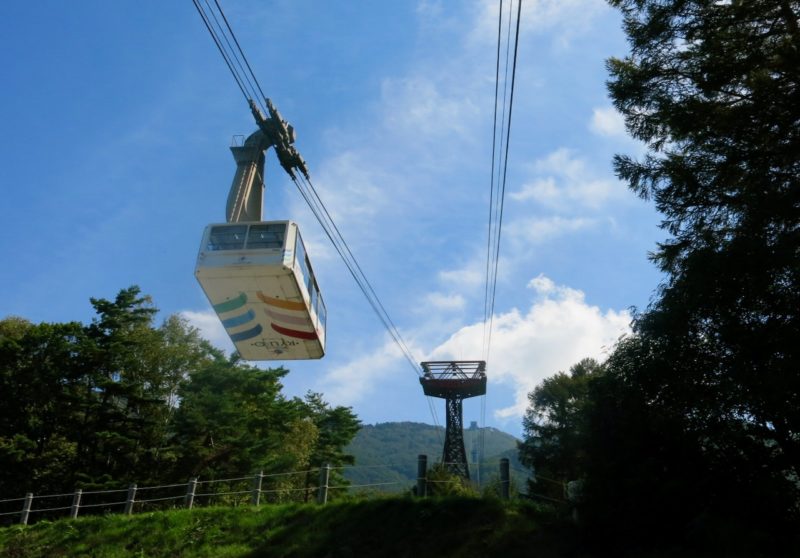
[{"x": 117, "y": 118}]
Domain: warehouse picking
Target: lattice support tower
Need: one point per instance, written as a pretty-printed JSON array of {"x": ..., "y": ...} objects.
[{"x": 454, "y": 381}]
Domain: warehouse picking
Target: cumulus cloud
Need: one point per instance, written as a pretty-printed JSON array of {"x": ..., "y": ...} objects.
[
  {"x": 608, "y": 122},
  {"x": 466, "y": 278},
  {"x": 535, "y": 230},
  {"x": 357, "y": 187},
  {"x": 564, "y": 180},
  {"x": 449, "y": 302},
  {"x": 356, "y": 379},
  {"x": 559, "y": 329},
  {"x": 564, "y": 18},
  {"x": 419, "y": 106},
  {"x": 210, "y": 328}
]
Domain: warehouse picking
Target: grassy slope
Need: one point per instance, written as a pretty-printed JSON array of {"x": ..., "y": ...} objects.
[
  {"x": 394, "y": 527},
  {"x": 398, "y": 527}
]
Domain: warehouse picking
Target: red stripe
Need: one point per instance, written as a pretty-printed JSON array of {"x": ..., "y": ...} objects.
[
  {"x": 310, "y": 335},
  {"x": 286, "y": 318}
]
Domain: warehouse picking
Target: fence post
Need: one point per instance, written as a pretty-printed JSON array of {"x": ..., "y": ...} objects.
[
  {"x": 26, "y": 508},
  {"x": 422, "y": 475},
  {"x": 76, "y": 503},
  {"x": 324, "y": 476},
  {"x": 505, "y": 479},
  {"x": 256, "y": 497},
  {"x": 190, "y": 490},
  {"x": 131, "y": 499}
]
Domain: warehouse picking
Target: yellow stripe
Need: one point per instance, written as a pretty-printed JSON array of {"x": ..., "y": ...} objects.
[{"x": 280, "y": 303}]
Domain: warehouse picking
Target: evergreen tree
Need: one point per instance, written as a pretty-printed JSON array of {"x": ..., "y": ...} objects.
[
  {"x": 713, "y": 89},
  {"x": 120, "y": 401},
  {"x": 336, "y": 427},
  {"x": 554, "y": 428},
  {"x": 231, "y": 419},
  {"x": 40, "y": 391},
  {"x": 127, "y": 397}
]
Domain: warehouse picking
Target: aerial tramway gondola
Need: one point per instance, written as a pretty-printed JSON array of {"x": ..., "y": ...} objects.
[{"x": 256, "y": 274}]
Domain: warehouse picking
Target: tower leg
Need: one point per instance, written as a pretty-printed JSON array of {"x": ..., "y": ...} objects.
[{"x": 455, "y": 455}]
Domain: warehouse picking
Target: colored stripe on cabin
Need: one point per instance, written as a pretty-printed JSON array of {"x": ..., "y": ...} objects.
[
  {"x": 231, "y": 304},
  {"x": 310, "y": 335},
  {"x": 246, "y": 334},
  {"x": 286, "y": 318},
  {"x": 280, "y": 303},
  {"x": 248, "y": 316}
]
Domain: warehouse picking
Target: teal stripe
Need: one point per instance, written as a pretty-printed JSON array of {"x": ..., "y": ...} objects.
[
  {"x": 239, "y": 320},
  {"x": 247, "y": 334},
  {"x": 231, "y": 304}
]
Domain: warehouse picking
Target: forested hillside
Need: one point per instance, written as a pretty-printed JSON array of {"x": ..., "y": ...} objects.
[{"x": 387, "y": 452}]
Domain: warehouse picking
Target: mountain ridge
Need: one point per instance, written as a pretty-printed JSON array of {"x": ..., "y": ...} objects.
[{"x": 386, "y": 454}]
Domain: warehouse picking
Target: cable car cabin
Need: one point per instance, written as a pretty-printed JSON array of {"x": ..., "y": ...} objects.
[{"x": 258, "y": 279}]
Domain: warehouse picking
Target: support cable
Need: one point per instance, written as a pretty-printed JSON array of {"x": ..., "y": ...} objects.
[
  {"x": 314, "y": 202},
  {"x": 498, "y": 190},
  {"x": 219, "y": 47},
  {"x": 489, "y": 236},
  {"x": 503, "y": 172},
  {"x": 233, "y": 35},
  {"x": 491, "y": 182},
  {"x": 251, "y": 89},
  {"x": 496, "y": 179}
]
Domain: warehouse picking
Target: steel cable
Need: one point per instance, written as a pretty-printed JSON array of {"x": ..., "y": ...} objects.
[
  {"x": 304, "y": 185},
  {"x": 497, "y": 206}
]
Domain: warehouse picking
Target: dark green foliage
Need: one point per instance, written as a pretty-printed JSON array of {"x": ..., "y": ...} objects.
[
  {"x": 695, "y": 425},
  {"x": 230, "y": 418},
  {"x": 336, "y": 427},
  {"x": 677, "y": 480},
  {"x": 41, "y": 384},
  {"x": 554, "y": 429},
  {"x": 121, "y": 401},
  {"x": 714, "y": 89},
  {"x": 690, "y": 437},
  {"x": 441, "y": 482},
  {"x": 125, "y": 403}
]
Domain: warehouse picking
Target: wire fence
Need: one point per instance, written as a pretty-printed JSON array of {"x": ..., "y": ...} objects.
[{"x": 309, "y": 485}]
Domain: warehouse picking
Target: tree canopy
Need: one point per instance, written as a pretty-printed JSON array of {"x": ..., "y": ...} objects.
[
  {"x": 553, "y": 428},
  {"x": 692, "y": 431},
  {"x": 122, "y": 400}
]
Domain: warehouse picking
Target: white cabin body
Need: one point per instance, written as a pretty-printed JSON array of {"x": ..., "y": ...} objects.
[{"x": 259, "y": 281}]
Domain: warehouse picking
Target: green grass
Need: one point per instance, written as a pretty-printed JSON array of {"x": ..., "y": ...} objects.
[{"x": 398, "y": 527}]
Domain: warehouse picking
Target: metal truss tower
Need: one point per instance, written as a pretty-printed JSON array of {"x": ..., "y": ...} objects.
[{"x": 454, "y": 381}]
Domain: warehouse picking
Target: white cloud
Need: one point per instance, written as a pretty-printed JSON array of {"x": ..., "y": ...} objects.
[
  {"x": 564, "y": 19},
  {"x": 559, "y": 329},
  {"x": 466, "y": 278},
  {"x": 356, "y": 379},
  {"x": 210, "y": 328},
  {"x": 607, "y": 122},
  {"x": 420, "y": 107},
  {"x": 564, "y": 181},
  {"x": 569, "y": 17},
  {"x": 445, "y": 302},
  {"x": 525, "y": 232},
  {"x": 349, "y": 188},
  {"x": 430, "y": 9}
]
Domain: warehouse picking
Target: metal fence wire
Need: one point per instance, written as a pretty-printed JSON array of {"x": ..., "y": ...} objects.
[{"x": 246, "y": 490}]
